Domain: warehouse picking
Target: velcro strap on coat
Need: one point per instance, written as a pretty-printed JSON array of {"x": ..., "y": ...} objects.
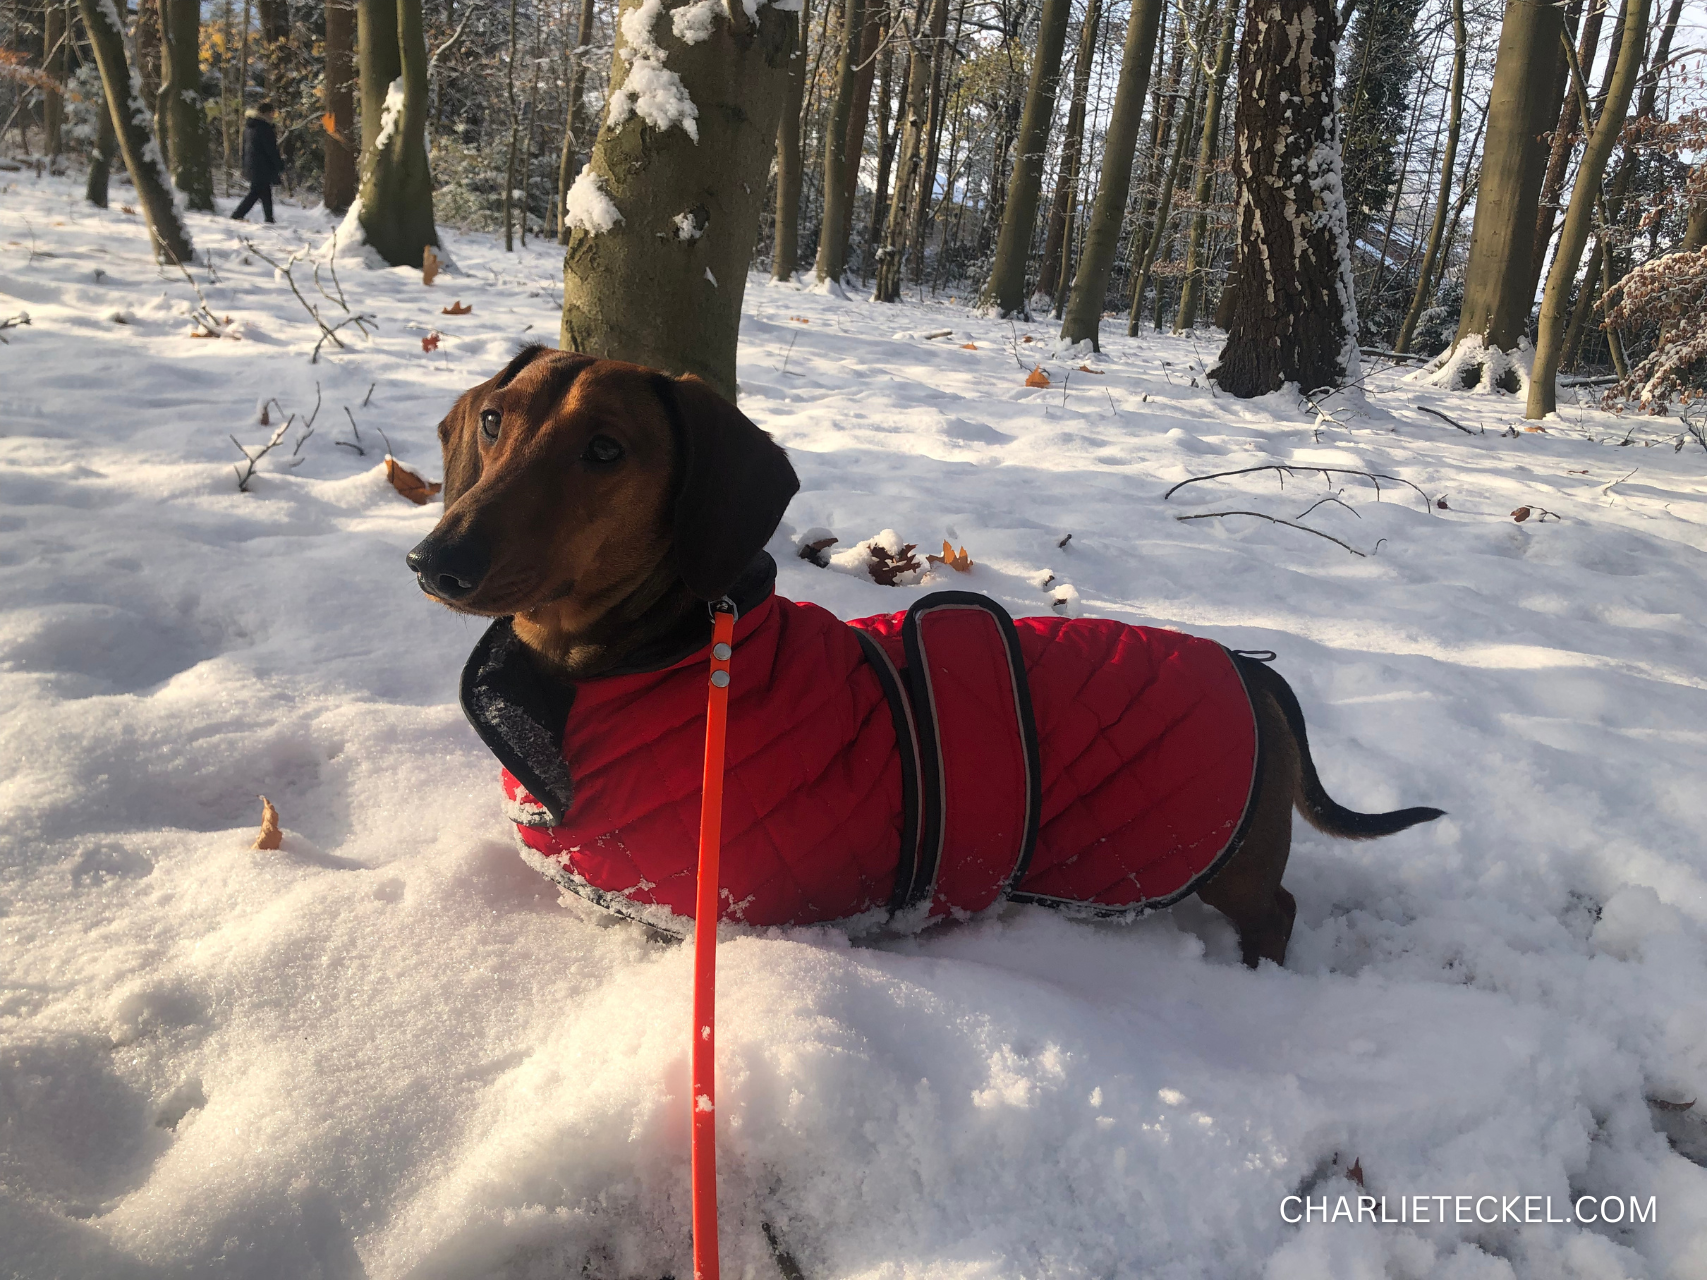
[{"x": 979, "y": 777}]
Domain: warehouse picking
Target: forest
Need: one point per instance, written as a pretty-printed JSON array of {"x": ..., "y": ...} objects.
[{"x": 1492, "y": 190}]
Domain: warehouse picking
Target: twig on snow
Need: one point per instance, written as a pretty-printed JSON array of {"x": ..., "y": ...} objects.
[
  {"x": 308, "y": 427},
  {"x": 369, "y": 395},
  {"x": 246, "y": 475},
  {"x": 1423, "y": 408},
  {"x": 1216, "y": 515},
  {"x": 360, "y": 452},
  {"x": 1334, "y": 498},
  {"x": 1292, "y": 468},
  {"x": 327, "y": 332},
  {"x": 12, "y": 322}
]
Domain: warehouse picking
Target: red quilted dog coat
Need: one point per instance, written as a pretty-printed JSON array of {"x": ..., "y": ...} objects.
[{"x": 896, "y": 768}]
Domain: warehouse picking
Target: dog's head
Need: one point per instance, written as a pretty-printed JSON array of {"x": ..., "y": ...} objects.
[{"x": 571, "y": 481}]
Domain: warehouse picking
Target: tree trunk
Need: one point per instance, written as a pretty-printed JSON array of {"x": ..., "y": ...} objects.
[
  {"x": 515, "y": 130},
  {"x": 1102, "y": 237},
  {"x": 941, "y": 55},
  {"x": 380, "y": 64},
  {"x": 859, "y": 115},
  {"x": 832, "y": 239},
  {"x": 1164, "y": 206},
  {"x": 54, "y": 38},
  {"x": 1564, "y": 143},
  {"x": 912, "y": 183},
  {"x": 1196, "y": 260},
  {"x": 396, "y": 196},
  {"x": 1006, "y": 291},
  {"x": 886, "y": 139},
  {"x": 1514, "y": 157},
  {"x": 181, "y": 102},
  {"x": 575, "y": 121},
  {"x": 665, "y": 219},
  {"x": 275, "y": 34},
  {"x": 1067, "y": 177},
  {"x": 1432, "y": 254},
  {"x": 338, "y": 188},
  {"x": 785, "y": 257},
  {"x": 1585, "y": 194},
  {"x": 130, "y": 128},
  {"x": 145, "y": 45},
  {"x": 1294, "y": 316},
  {"x": 101, "y": 161}
]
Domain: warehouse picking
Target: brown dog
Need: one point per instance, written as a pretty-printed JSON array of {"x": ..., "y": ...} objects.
[{"x": 599, "y": 505}]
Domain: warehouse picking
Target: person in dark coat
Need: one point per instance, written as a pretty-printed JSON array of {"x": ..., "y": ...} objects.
[{"x": 262, "y": 163}]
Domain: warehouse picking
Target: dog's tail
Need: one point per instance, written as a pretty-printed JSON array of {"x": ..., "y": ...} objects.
[{"x": 1320, "y": 809}]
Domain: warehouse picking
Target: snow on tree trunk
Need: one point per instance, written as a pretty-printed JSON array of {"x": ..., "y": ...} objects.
[
  {"x": 181, "y": 101},
  {"x": 1497, "y": 288},
  {"x": 1293, "y": 316},
  {"x": 395, "y": 206},
  {"x": 142, "y": 158},
  {"x": 657, "y": 264},
  {"x": 1006, "y": 292},
  {"x": 378, "y": 61}
]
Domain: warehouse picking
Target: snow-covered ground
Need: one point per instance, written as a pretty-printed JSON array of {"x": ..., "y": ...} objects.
[{"x": 387, "y": 1050}]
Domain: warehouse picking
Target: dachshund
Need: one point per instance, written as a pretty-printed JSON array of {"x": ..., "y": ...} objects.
[{"x": 599, "y": 505}]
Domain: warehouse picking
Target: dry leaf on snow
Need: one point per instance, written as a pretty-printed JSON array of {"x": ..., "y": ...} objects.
[
  {"x": 431, "y": 341},
  {"x": 885, "y": 568},
  {"x": 968, "y": 346},
  {"x": 1037, "y": 378},
  {"x": 271, "y": 837},
  {"x": 429, "y": 265},
  {"x": 407, "y": 483},
  {"x": 800, "y": 319},
  {"x": 961, "y": 563},
  {"x": 456, "y": 309},
  {"x": 1521, "y": 514},
  {"x": 1085, "y": 368}
]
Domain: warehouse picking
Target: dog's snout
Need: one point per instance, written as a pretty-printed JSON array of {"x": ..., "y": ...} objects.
[{"x": 451, "y": 570}]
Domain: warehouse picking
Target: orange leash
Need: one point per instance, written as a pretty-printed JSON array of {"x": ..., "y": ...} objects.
[{"x": 704, "y": 1142}]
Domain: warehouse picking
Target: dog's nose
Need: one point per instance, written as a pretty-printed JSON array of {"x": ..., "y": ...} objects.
[{"x": 449, "y": 570}]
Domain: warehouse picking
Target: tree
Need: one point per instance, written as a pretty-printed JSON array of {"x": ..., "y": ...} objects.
[
  {"x": 1294, "y": 318},
  {"x": 181, "y": 101},
  {"x": 1006, "y": 291},
  {"x": 53, "y": 63},
  {"x": 1192, "y": 288},
  {"x": 1380, "y": 63},
  {"x": 575, "y": 124},
  {"x": 338, "y": 187},
  {"x": 101, "y": 158},
  {"x": 832, "y": 239},
  {"x": 790, "y": 161},
  {"x": 1496, "y": 297},
  {"x": 396, "y": 200},
  {"x": 912, "y": 182},
  {"x": 1564, "y": 140},
  {"x": 1585, "y": 198},
  {"x": 130, "y": 128},
  {"x": 1432, "y": 256},
  {"x": 666, "y": 213},
  {"x": 1057, "y": 245},
  {"x": 1083, "y": 316}
]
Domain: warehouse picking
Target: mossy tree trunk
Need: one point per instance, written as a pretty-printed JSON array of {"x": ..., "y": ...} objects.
[
  {"x": 1497, "y": 298},
  {"x": 142, "y": 158},
  {"x": 1293, "y": 315},
  {"x": 397, "y": 185},
  {"x": 790, "y": 162},
  {"x": 338, "y": 188},
  {"x": 1585, "y": 197},
  {"x": 181, "y": 101},
  {"x": 1006, "y": 291},
  {"x": 1083, "y": 316},
  {"x": 656, "y": 274},
  {"x": 379, "y": 63}
]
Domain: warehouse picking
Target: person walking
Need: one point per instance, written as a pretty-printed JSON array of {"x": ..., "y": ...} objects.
[{"x": 262, "y": 164}]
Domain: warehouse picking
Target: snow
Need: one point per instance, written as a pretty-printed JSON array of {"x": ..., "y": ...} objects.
[
  {"x": 694, "y": 23},
  {"x": 389, "y": 114},
  {"x": 387, "y": 1050},
  {"x": 651, "y": 90},
  {"x": 588, "y": 205}
]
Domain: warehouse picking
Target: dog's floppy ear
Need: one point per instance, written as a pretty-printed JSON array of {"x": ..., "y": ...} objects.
[
  {"x": 735, "y": 484},
  {"x": 457, "y": 432}
]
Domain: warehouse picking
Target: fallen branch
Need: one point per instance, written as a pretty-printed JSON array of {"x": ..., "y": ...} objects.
[
  {"x": 1291, "y": 468},
  {"x": 361, "y": 322},
  {"x": 12, "y": 322},
  {"x": 328, "y": 333},
  {"x": 1216, "y": 515},
  {"x": 1398, "y": 357},
  {"x": 1423, "y": 408},
  {"x": 308, "y": 427},
  {"x": 1334, "y": 498}
]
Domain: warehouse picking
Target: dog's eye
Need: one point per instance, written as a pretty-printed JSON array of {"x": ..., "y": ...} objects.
[
  {"x": 602, "y": 449},
  {"x": 489, "y": 423}
]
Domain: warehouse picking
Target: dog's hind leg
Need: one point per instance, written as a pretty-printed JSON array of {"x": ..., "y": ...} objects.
[{"x": 1247, "y": 889}]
